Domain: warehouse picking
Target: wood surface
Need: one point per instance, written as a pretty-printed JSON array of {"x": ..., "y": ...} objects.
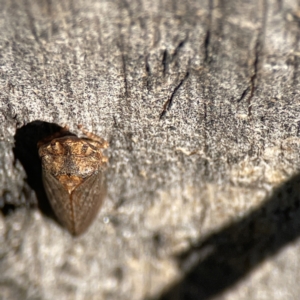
[{"x": 199, "y": 101}]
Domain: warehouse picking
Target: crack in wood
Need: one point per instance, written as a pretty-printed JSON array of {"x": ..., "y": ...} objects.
[{"x": 169, "y": 102}]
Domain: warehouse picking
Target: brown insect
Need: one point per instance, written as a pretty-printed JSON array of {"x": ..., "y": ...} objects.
[{"x": 73, "y": 177}]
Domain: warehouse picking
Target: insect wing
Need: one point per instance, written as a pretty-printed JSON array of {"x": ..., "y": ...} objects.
[
  {"x": 59, "y": 199},
  {"x": 87, "y": 199},
  {"x": 76, "y": 211}
]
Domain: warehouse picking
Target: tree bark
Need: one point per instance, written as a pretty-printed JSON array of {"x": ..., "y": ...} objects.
[{"x": 199, "y": 101}]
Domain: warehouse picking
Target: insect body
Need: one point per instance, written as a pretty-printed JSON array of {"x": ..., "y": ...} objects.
[{"x": 73, "y": 177}]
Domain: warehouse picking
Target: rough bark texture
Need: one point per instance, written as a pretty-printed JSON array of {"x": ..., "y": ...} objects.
[{"x": 200, "y": 103}]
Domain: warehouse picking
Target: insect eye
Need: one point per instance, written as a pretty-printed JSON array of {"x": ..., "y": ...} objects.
[
  {"x": 56, "y": 147},
  {"x": 84, "y": 149}
]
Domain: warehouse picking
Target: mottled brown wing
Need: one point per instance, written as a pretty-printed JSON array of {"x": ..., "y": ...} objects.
[
  {"x": 59, "y": 199},
  {"x": 87, "y": 199},
  {"x": 76, "y": 211}
]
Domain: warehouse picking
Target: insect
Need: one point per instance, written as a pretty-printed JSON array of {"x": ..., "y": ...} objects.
[{"x": 73, "y": 177}]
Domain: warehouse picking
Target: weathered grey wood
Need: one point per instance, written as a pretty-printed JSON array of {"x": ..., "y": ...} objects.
[{"x": 200, "y": 103}]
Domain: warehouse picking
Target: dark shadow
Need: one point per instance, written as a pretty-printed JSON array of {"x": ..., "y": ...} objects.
[
  {"x": 225, "y": 257},
  {"x": 26, "y": 152}
]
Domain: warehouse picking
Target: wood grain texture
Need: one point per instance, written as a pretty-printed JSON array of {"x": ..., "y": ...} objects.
[{"x": 199, "y": 101}]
